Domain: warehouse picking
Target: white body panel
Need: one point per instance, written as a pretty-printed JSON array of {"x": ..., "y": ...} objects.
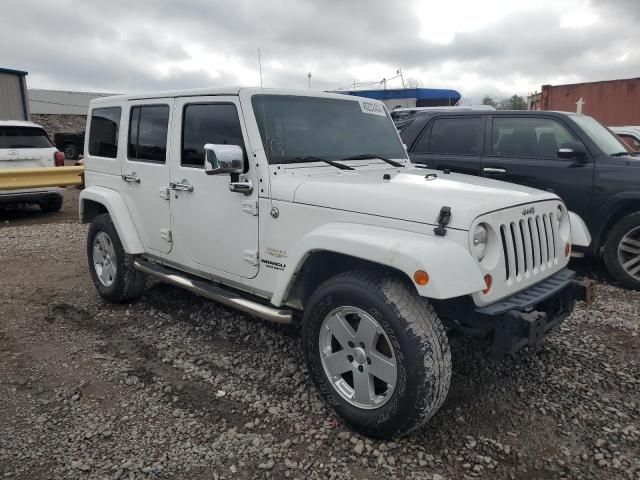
[{"x": 298, "y": 209}]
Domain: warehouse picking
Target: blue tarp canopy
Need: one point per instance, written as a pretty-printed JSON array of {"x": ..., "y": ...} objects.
[{"x": 417, "y": 93}]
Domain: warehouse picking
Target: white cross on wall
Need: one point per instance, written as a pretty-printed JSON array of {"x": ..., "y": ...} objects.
[{"x": 579, "y": 105}]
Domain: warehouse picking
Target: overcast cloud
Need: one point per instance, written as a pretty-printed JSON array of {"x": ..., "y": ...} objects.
[{"x": 496, "y": 47}]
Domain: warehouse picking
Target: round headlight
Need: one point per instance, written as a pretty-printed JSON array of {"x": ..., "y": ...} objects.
[{"x": 479, "y": 242}]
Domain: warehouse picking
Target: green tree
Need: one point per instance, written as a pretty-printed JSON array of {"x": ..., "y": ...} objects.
[
  {"x": 515, "y": 102},
  {"x": 488, "y": 100}
]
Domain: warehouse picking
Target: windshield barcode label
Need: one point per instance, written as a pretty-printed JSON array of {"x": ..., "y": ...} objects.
[{"x": 373, "y": 108}]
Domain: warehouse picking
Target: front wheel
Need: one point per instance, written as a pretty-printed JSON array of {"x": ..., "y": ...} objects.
[
  {"x": 110, "y": 266},
  {"x": 622, "y": 251},
  {"x": 377, "y": 352}
]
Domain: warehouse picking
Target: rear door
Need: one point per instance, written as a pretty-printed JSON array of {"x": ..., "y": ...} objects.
[
  {"x": 451, "y": 142},
  {"x": 145, "y": 171},
  {"x": 523, "y": 150},
  {"x": 25, "y": 147}
]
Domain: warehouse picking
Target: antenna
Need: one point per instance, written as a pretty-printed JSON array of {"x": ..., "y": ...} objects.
[{"x": 260, "y": 66}]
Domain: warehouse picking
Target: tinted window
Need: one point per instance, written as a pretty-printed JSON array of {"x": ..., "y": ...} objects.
[
  {"x": 208, "y": 123},
  {"x": 294, "y": 127},
  {"x": 459, "y": 136},
  {"x": 148, "y": 133},
  {"x": 23, "y": 137},
  {"x": 529, "y": 137},
  {"x": 103, "y": 132}
]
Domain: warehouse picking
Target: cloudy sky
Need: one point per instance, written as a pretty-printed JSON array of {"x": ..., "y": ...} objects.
[{"x": 496, "y": 47}]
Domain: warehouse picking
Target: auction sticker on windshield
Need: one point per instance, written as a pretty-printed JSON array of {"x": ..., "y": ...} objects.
[{"x": 373, "y": 108}]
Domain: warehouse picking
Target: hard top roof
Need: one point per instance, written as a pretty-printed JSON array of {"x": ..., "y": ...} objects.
[{"x": 230, "y": 91}]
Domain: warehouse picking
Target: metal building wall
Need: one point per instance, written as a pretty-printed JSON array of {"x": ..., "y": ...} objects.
[
  {"x": 13, "y": 102},
  {"x": 612, "y": 102}
]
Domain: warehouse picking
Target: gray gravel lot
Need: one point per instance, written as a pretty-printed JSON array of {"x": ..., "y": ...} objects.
[{"x": 175, "y": 386}]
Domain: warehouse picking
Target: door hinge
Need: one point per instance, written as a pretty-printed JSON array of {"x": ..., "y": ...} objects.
[
  {"x": 165, "y": 234},
  {"x": 164, "y": 193},
  {"x": 250, "y": 256},
  {"x": 250, "y": 207}
]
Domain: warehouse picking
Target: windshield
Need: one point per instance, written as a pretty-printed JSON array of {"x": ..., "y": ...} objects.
[
  {"x": 23, "y": 137},
  {"x": 298, "y": 128},
  {"x": 603, "y": 138}
]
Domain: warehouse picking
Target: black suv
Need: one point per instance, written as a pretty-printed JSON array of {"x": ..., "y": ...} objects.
[{"x": 569, "y": 154}]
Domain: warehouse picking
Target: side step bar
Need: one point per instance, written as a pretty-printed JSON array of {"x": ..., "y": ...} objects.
[{"x": 213, "y": 292}]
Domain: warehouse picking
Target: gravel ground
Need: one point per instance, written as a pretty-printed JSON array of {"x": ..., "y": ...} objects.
[{"x": 175, "y": 386}]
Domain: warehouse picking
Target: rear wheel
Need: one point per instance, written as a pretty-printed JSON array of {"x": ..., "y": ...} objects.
[
  {"x": 51, "y": 204},
  {"x": 110, "y": 266},
  {"x": 71, "y": 152},
  {"x": 622, "y": 251},
  {"x": 377, "y": 352}
]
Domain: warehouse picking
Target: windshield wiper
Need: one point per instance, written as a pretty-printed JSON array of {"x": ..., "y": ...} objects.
[
  {"x": 622, "y": 154},
  {"x": 365, "y": 156},
  {"x": 311, "y": 158}
]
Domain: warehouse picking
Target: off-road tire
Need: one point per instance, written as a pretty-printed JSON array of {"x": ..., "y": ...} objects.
[
  {"x": 129, "y": 282},
  {"x": 51, "y": 204},
  {"x": 71, "y": 151},
  {"x": 619, "y": 230},
  {"x": 418, "y": 339}
]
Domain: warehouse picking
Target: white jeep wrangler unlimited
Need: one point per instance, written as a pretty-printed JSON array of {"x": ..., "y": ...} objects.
[{"x": 281, "y": 203}]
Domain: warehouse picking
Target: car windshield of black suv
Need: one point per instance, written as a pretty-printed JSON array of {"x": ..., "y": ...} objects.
[
  {"x": 23, "y": 137},
  {"x": 603, "y": 138},
  {"x": 300, "y": 129}
]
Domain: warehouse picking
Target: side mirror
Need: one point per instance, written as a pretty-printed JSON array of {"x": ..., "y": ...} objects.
[
  {"x": 220, "y": 159},
  {"x": 573, "y": 151}
]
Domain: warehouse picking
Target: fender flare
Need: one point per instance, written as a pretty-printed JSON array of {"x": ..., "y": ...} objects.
[
  {"x": 452, "y": 271},
  {"x": 115, "y": 205},
  {"x": 580, "y": 236}
]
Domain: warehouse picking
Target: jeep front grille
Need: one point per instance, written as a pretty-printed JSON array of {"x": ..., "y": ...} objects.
[{"x": 529, "y": 245}]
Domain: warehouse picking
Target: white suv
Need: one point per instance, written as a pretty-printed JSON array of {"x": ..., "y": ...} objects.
[
  {"x": 26, "y": 145},
  {"x": 304, "y": 206}
]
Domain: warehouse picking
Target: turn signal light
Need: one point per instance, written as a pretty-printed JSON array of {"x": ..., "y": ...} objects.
[
  {"x": 487, "y": 282},
  {"x": 567, "y": 249},
  {"x": 421, "y": 277}
]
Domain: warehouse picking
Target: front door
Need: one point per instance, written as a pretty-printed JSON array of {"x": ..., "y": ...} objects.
[
  {"x": 213, "y": 227},
  {"x": 145, "y": 172},
  {"x": 524, "y": 150}
]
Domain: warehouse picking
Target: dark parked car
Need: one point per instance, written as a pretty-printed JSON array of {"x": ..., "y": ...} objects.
[
  {"x": 71, "y": 144},
  {"x": 567, "y": 153}
]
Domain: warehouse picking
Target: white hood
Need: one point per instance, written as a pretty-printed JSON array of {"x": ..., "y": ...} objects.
[{"x": 411, "y": 194}]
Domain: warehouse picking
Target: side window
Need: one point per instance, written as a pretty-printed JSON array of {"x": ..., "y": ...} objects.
[
  {"x": 148, "y": 133},
  {"x": 455, "y": 135},
  {"x": 208, "y": 123},
  {"x": 529, "y": 137},
  {"x": 632, "y": 142},
  {"x": 103, "y": 132}
]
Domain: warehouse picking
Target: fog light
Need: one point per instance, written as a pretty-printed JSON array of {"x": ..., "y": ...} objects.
[
  {"x": 487, "y": 282},
  {"x": 421, "y": 277},
  {"x": 567, "y": 249}
]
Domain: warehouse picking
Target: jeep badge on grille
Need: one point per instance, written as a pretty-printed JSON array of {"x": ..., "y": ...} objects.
[{"x": 528, "y": 211}]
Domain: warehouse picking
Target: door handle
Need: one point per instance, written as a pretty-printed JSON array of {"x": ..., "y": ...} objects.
[
  {"x": 183, "y": 186},
  {"x": 131, "y": 177},
  {"x": 245, "y": 187},
  {"x": 494, "y": 170}
]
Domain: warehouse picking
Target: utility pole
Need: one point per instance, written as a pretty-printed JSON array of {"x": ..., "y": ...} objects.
[
  {"x": 399, "y": 72},
  {"x": 309, "y": 78},
  {"x": 260, "y": 66}
]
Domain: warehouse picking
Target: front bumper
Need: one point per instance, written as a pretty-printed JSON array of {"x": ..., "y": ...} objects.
[{"x": 524, "y": 318}]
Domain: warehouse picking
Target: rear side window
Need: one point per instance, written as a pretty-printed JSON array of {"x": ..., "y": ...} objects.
[
  {"x": 148, "y": 133},
  {"x": 632, "y": 142},
  {"x": 457, "y": 136},
  {"x": 529, "y": 137},
  {"x": 23, "y": 137},
  {"x": 216, "y": 123},
  {"x": 103, "y": 132}
]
